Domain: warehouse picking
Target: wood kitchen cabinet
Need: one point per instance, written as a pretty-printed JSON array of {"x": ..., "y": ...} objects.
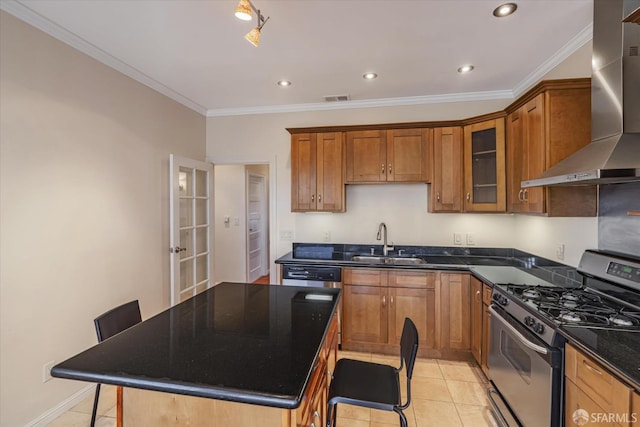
[
  {"x": 317, "y": 172},
  {"x": 484, "y": 166},
  {"x": 396, "y": 155},
  {"x": 453, "y": 311},
  {"x": 590, "y": 386},
  {"x": 375, "y": 303},
  {"x": 547, "y": 124},
  {"x": 480, "y": 322},
  {"x": 447, "y": 179}
]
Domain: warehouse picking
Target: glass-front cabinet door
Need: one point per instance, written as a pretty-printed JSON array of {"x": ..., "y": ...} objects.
[{"x": 484, "y": 166}]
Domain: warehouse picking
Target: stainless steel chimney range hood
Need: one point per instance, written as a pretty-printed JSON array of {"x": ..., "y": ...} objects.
[{"x": 613, "y": 156}]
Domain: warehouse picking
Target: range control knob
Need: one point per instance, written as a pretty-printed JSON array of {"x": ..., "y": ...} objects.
[
  {"x": 539, "y": 328},
  {"x": 529, "y": 321}
]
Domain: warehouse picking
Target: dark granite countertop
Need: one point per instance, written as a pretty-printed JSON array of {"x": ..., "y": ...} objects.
[
  {"x": 618, "y": 350},
  {"x": 245, "y": 343},
  {"x": 435, "y": 257}
]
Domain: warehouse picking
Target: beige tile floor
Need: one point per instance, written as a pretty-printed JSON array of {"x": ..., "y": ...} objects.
[
  {"x": 444, "y": 393},
  {"x": 80, "y": 415}
]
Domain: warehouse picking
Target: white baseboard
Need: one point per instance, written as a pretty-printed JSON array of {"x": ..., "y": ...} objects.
[{"x": 62, "y": 407}]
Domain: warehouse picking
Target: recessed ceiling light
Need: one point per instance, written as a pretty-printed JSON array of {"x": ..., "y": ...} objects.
[
  {"x": 284, "y": 83},
  {"x": 465, "y": 69},
  {"x": 369, "y": 76},
  {"x": 505, "y": 9}
]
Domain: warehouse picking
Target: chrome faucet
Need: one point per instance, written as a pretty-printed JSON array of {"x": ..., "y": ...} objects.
[{"x": 382, "y": 230}]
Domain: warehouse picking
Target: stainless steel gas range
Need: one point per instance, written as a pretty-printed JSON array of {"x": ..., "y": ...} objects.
[{"x": 526, "y": 346}]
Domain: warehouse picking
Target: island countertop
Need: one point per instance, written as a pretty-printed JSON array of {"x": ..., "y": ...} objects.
[{"x": 237, "y": 342}]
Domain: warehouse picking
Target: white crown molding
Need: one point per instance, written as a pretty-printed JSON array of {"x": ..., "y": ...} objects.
[
  {"x": 563, "y": 53},
  {"x": 19, "y": 10},
  {"x": 365, "y": 103},
  {"x": 33, "y": 18}
]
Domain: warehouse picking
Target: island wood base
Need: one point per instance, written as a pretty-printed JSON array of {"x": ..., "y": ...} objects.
[{"x": 141, "y": 408}]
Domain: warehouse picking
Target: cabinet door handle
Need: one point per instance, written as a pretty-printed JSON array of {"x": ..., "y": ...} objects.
[
  {"x": 525, "y": 195},
  {"x": 391, "y": 299},
  {"x": 477, "y": 295},
  {"x": 468, "y": 197},
  {"x": 316, "y": 414},
  {"x": 389, "y": 167},
  {"x": 520, "y": 195},
  {"x": 591, "y": 368},
  {"x": 313, "y": 198},
  {"x": 319, "y": 198},
  {"x": 438, "y": 196},
  {"x": 382, "y": 168},
  {"x": 329, "y": 374},
  {"x": 384, "y": 301}
]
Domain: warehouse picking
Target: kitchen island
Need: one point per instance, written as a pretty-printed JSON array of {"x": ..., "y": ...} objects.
[{"x": 236, "y": 354}]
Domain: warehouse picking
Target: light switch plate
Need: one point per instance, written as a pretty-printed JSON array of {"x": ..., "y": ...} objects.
[
  {"x": 457, "y": 238},
  {"x": 471, "y": 239}
]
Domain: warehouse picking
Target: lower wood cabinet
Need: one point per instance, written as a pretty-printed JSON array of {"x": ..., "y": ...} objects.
[
  {"x": 453, "y": 312},
  {"x": 376, "y": 302},
  {"x": 591, "y": 387},
  {"x": 480, "y": 322}
]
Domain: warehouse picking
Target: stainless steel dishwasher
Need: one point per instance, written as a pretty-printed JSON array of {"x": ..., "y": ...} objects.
[{"x": 315, "y": 276}]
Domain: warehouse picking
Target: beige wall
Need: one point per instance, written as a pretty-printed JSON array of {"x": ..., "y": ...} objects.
[
  {"x": 83, "y": 206},
  {"x": 402, "y": 207}
]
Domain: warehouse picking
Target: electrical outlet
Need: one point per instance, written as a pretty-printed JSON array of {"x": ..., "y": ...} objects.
[
  {"x": 560, "y": 251},
  {"x": 286, "y": 235},
  {"x": 471, "y": 239},
  {"x": 327, "y": 236},
  {"x": 457, "y": 238},
  {"x": 46, "y": 371}
]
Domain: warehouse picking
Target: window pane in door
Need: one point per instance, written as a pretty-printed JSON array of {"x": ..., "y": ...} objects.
[
  {"x": 186, "y": 241},
  {"x": 201, "y": 211},
  {"x": 201, "y": 183},
  {"x": 185, "y": 181},
  {"x": 186, "y": 274},
  {"x": 201, "y": 268},
  {"x": 202, "y": 244},
  {"x": 186, "y": 212}
]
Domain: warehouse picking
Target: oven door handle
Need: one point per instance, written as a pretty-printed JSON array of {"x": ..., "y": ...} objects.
[{"x": 535, "y": 347}]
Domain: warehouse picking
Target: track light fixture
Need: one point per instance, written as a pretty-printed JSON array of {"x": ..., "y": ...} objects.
[{"x": 243, "y": 11}]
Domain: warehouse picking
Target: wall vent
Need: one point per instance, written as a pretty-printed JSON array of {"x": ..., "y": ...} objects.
[
  {"x": 633, "y": 50},
  {"x": 337, "y": 98}
]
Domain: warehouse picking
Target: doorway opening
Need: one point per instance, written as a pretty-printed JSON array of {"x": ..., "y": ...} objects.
[{"x": 242, "y": 218}]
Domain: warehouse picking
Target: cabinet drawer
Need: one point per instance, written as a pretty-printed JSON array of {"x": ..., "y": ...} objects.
[
  {"x": 486, "y": 294},
  {"x": 577, "y": 399},
  {"x": 596, "y": 382},
  {"x": 412, "y": 279},
  {"x": 364, "y": 277}
]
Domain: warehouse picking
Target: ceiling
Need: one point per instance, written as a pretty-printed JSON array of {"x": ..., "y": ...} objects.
[{"x": 194, "y": 50}]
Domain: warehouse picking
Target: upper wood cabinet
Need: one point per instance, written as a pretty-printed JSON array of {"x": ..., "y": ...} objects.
[
  {"x": 547, "y": 124},
  {"x": 446, "y": 182},
  {"x": 397, "y": 155},
  {"x": 484, "y": 167},
  {"x": 317, "y": 172}
]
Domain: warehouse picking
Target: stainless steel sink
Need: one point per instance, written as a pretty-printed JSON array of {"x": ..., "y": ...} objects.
[
  {"x": 387, "y": 260},
  {"x": 369, "y": 258},
  {"x": 406, "y": 261}
]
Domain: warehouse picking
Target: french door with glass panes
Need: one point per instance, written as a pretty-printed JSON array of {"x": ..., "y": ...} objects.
[{"x": 190, "y": 235}]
